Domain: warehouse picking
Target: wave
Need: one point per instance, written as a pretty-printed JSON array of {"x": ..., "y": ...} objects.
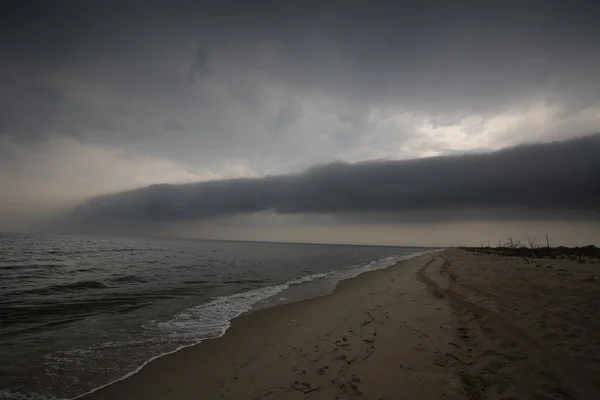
[
  {"x": 241, "y": 281},
  {"x": 10, "y": 267},
  {"x": 69, "y": 287},
  {"x": 381, "y": 263},
  {"x": 48, "y": 312},
  {"x": 9, "y": 394},
  {"x": 210, "y": 320},
  {"x": 42, "y": 327},
  {"x": 131, "y": 308},
  {"x": 128, "y": 279},
  {"x": 213, "y": 319},
  {"x": 30, "y": 266},
  {"x": 81, "y": 285}
]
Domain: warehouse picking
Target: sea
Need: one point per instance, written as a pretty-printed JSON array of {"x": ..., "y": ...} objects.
[{"x": 80, "y": 312}]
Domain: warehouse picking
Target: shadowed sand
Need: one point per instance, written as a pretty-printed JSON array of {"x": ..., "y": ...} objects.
[{"x": 444, "y": 325}]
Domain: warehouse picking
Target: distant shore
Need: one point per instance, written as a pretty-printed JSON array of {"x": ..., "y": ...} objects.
[{"x": 452, "y": 324}]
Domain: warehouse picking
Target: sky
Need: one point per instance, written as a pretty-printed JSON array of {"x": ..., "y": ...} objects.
[{"x": 380, "y": 122}]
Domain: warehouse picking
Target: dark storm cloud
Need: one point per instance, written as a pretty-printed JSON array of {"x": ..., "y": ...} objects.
[
  {"x": 454, "y": 57},
  {"x": 557, "y": 177},
  {"x": 99, "y": 96}
]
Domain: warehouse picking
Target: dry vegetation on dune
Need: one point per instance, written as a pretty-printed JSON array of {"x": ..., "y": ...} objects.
[{"x": 532, "y": 251}]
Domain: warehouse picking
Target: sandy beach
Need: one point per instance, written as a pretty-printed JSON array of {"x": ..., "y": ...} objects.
[{"x": 449, "y": 324}]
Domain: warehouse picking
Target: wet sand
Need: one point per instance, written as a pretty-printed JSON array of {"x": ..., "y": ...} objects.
[{"x": 444, "y": 325}]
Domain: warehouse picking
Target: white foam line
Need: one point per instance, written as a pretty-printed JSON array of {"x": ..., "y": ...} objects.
[
  {"x": 7, "y": 394},
  {"x": 228, "y": 324},
  {"x": 138, "y": 369}
]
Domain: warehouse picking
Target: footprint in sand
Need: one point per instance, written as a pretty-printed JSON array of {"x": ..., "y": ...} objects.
[{"x": 322, "y": 370}]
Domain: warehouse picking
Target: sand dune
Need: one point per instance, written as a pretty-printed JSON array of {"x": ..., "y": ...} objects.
[{"x": 526, "y": 329}]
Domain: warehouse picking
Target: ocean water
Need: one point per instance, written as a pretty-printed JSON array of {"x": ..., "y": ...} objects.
[{"x": 77, "y": 313}]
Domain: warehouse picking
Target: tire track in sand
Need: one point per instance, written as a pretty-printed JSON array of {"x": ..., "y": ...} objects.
[{"x": 562, "y": 365}]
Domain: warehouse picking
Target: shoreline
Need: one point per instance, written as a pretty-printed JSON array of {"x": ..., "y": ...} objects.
[
  {"x": 264, "y": 304},
  {"x": 445, "y": 325},
  {"x": 129, "y": 385}
]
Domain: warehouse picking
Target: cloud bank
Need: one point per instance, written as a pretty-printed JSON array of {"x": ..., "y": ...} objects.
[
  {"x": 549, "y": 178},
  {"x": 99, "y": 97}
]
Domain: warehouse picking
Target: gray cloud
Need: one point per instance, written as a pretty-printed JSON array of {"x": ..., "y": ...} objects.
[
  {"x": 113, "y": 72},
  {"x": 551, "y": 180},
  {"x": 100, "y": 96}
]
